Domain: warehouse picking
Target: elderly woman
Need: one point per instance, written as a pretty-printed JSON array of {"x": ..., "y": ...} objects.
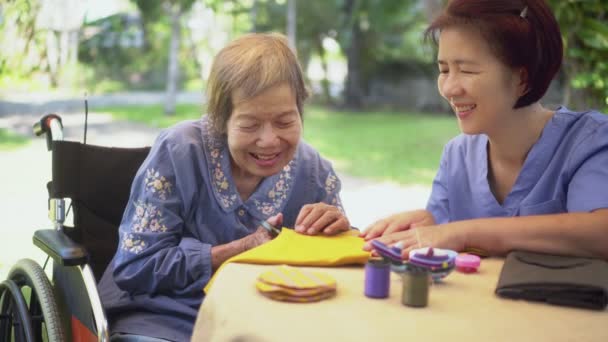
[
  {"x": 522, "y": 176},
  {"x": 200, "y": 195}
]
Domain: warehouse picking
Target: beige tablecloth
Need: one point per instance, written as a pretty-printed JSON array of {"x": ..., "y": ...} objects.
[{"x": 461, "y": 308}]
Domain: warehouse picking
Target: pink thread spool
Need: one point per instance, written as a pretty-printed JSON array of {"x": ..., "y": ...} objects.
[{"x": 467, "y": 263}]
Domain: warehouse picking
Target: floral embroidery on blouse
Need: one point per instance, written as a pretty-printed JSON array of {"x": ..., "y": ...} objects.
[
  {"x": 220, "y": 181},
  {"x": 278, "y": 194},
  {"x": 331, "y": 184},
  {"x": 132, "y": 244},
  {"x": 157, "y": 184},
  {"x": 147, "y": 218}
]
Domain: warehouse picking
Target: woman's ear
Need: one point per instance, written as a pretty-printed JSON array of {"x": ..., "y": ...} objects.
[{"x": 523, "y": 84}]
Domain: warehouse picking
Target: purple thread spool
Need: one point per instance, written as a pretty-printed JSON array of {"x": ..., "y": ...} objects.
[{"x": 377, "y": 278}]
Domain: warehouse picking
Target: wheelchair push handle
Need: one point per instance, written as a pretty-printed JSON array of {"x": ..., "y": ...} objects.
[{"x": 52, "y": 126}]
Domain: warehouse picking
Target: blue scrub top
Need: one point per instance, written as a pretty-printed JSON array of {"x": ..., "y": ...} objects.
[
  {"x": 183, "y": 202},
  {"x": 565, "y": 171}
]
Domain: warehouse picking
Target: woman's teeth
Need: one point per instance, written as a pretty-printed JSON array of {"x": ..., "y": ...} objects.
[
  {"x": 465, "y": 108},
  {"x": 265, "y": 156}
]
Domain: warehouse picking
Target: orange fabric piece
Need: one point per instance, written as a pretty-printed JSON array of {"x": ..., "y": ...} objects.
[{"x": 297, "y": 249}]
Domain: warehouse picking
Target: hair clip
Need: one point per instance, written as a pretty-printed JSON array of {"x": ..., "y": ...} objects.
[{"x": 524, "y": 12}]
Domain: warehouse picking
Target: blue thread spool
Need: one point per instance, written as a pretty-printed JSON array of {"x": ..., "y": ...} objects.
[{"x": 377, "y": 278}]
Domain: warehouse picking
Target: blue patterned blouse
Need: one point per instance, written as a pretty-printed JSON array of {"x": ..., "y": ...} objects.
[{"x": 183, "y": 201}]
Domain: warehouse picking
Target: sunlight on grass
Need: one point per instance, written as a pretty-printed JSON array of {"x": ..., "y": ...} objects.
[
  {"x": 400, "y": 147},
  {"x": 153, "y": 114},
  {"x": 9, "y": 140}
]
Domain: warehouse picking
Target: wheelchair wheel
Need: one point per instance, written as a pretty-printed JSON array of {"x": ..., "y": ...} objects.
[
  {"x": 42, "y": 306},
  {"x": 15, "y": 319}
]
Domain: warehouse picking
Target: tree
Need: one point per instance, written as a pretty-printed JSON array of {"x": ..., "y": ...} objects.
[
  {"x": 370, "y": 33},
  {"x": 23, "y": 49},
  {"x": 432, "y": 9},
  {"x": 375, "y": 33},
  {"x": 174, "y": 9},
  {"x": 39, "y": 36},
  {"x": 584, "y": 26},
  {"x": 352, "y": 38},
  {"x": 60, "y": 19},
  {"x": 291, "y": 22}
]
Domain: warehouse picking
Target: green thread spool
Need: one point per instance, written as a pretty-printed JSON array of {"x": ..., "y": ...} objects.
[{"x": 416, "y": 281}]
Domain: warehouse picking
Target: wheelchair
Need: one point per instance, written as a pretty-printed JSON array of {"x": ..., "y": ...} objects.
[{"x": 96, "y": 182}]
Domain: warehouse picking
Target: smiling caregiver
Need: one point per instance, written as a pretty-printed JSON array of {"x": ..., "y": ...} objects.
[{"x": 521, "y": 176}]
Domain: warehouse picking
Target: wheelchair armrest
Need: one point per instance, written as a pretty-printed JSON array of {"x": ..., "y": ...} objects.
[{"x": 60, "y": 247}]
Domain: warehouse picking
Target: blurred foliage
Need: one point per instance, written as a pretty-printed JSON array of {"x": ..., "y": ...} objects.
[
  {"x": 377, "y": 39},
  {"x": 118, "y": 57},
  {"x": 584, "y": 25},
  {"x": 373, "y": 34},
  {"x": 9, "y": 140},
  {"x": 22, "y": 53}
]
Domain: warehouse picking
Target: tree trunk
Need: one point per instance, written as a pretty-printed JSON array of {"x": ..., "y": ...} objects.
[
  {"x": 173, "y": 68},
  {"x": 73, "y": 57},
  {"x": 325, "y": 81},
  {"x": 253, "y": 14},
  {"x": 291, "y": 23},
  {"x": 353, "y": 91},
  {"x": 432, "y": 9},
  {"x": 64, "y": 48},
  {"x": 52, "y": 55}
]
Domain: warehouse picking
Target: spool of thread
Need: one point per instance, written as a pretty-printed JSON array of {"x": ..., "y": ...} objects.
[
  {"x": 467, "y": 263},
  {"x": 377, "y": 278},
  {"x": 415, "y": 290}
]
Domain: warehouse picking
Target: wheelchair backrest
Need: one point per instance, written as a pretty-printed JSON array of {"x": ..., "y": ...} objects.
[{"x": 98, "y": 181}]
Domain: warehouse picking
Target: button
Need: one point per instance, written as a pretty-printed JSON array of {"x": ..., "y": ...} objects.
[{"x": 241, "y": 212}]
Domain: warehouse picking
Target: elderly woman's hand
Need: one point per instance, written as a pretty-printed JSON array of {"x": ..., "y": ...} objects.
[
  {"x": 262, "y": 235},
  {"x": 321, "y": 218}
]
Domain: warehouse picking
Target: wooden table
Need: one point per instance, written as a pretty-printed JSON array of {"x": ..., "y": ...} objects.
[{"x": 461, "y": 308}]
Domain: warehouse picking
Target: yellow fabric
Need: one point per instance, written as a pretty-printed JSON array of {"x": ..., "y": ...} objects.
[{"x": 296, "y": 249}]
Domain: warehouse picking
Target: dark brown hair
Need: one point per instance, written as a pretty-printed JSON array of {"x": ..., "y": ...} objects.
[
  {"x": 252, "y": 63},
  {"x": 521, "y": 33}
]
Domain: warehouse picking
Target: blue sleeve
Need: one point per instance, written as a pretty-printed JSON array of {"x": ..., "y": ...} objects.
[
  {"x": 153, "y": 255},
  {"x": 438, "y": 203},
  {"x": 588, "y": 187},
  {"x": 331, "y": 185}
]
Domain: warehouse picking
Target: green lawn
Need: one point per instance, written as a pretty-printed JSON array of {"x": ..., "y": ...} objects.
[
  {"x": 9, "y": 140},
  {"x": 403, "y": 147}
]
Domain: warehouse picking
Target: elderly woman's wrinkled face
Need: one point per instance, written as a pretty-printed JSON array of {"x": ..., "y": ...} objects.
[{"x": 263, "y": 132}]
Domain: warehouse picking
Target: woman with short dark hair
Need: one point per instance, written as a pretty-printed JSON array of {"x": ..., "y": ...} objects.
[{"x": 520, "y": 176}]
